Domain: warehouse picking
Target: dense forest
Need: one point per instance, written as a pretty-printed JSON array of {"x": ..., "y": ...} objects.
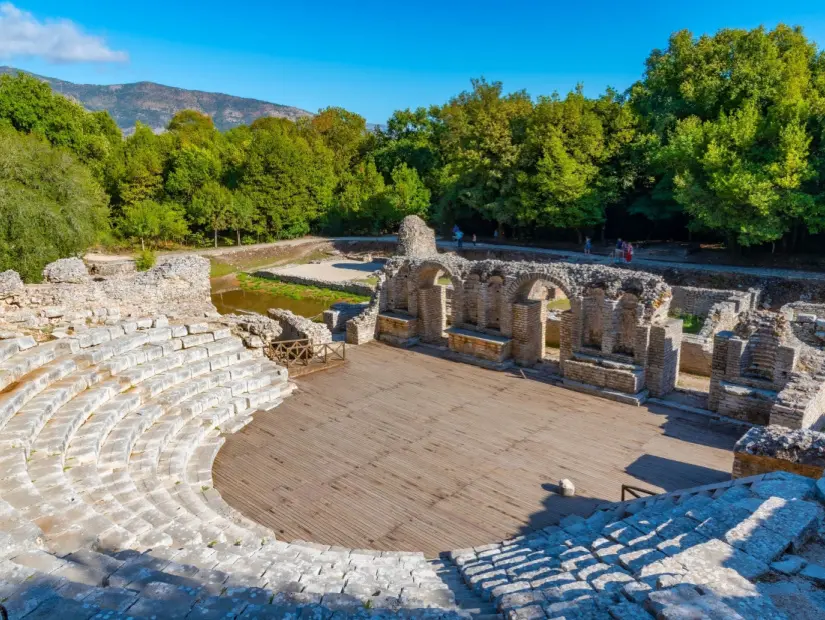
[{"x": 723, "y": 137}]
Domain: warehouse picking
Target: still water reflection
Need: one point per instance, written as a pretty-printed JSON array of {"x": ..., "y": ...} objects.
[{"x": 255, "y": 301}]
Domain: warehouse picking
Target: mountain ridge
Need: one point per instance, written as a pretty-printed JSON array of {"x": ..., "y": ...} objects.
[{"x": 154, "y": 104}]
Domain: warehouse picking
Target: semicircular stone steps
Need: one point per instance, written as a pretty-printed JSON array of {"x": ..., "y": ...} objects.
[{"x": 107, "y": 507}]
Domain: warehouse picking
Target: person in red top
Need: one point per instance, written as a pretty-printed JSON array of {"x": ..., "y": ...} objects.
[{"x": 628, "y": 252}]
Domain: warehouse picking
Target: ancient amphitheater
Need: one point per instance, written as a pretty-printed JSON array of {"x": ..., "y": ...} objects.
[{"x": 117, "y": 392}]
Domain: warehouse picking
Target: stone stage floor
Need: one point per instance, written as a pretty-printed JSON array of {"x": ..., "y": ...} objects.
[{"x": 402, "y": 450}]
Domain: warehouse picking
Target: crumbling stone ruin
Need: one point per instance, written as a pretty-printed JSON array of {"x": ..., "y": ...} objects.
[
  {"x": 763, "y": 373},
  {"x": 415, "y": 238},
  {"x": 616, "y": 340},
  {"x": 178, "y": 286},
  {"x": 720, "y": 310},
  {"x": 295, "y": 327}
]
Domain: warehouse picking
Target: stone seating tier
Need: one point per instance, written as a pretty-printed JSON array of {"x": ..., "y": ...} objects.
[
  {"x": 107, "y": 507},
  {"x": 746, "y": 548}
]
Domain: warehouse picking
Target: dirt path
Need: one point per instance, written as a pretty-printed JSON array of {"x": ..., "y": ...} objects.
[{"x": 760, "y": 272}]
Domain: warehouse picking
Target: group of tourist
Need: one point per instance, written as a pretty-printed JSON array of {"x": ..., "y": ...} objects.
[
  {"x": 458, "y": 237},
  {"x": 623, "y": 252}
]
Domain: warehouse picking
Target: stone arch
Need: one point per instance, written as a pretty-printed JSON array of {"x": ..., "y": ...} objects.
[
  {"x": 431, "y": 301},
  {"x": 524, "y": 281}
]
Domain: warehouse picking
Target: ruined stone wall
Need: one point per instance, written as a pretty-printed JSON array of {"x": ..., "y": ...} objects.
[
  {"x": 295, "y": 327},
  {"x": 764, "y": 449},
  {"x": 552, "y": 333},
  {"x": 178, "y": 286},
  {"x": 699, "y": 301},
  {"x": 663, "y": 357}
]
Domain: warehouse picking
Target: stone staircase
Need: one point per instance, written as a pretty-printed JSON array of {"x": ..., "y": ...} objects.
[
  {"x": 466, "y": 599},
  {"x": 107, "y": 507}
]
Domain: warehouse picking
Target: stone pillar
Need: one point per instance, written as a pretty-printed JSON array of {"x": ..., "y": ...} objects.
[
  {"x": 566, "y": 338},
  {"x": 576, "y": 324},
  {"x": 458, "y": 309},
  {"x": 528, "y": 332},
  {"x": 718, "y": 368},
  {"x": 506, "y": 319},
  {"x": 481, "y": 306},
  {"x": 432, "y": 304},
  {"x": 663, "y": 357},
  {"x": 412, "y": 296},
  {"x": 611, "y": 324}
]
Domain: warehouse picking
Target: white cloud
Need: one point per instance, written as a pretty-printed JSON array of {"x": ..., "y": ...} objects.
[{"x": 22, "y": 35}]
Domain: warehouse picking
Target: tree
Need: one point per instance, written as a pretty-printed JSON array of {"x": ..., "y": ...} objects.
[
  {"x": 51, "y": 205},
  {"x": 407, "y": 194},
  {"x": 242, "y": 213},
  {"x": 211, "y": 207},
  {"x": 343, "y": 132},
  {"x": 135, "y": 172},
  {"x": 564, "y": 148},
  {"x": 191, "y": 127},
  {"x": 480, "y": 138},
  {"x": 191, "y": 167},
  {"x": 289, "y": 178},
  {"x": 30, "y": 106},
  {"x": 359, "y": 204},
  {"x": 733, "y": 113},
  {"x": 153, "y": 221}
]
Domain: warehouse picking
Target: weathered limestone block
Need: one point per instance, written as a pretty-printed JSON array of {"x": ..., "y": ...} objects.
[
  {"x": 298, "y": 328},
  {"x": 775, "y": 448},
  {"x": 66, "y": 271},
  {"x": 10, "y": 283},
  {"x": 415, "y": 238}
]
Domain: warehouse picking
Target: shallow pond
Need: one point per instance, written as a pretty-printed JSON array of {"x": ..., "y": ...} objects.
[{"x": 255, "y": 301}]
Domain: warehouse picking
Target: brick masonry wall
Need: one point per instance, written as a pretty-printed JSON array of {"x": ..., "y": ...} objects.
[
  {"x": 477, "y": 346},
  {"x": 663, "y": 357},
  {"x": 552, "y": 330},
  {"x": 432, "y": 313},
  {"x": 528, "y": 332}
]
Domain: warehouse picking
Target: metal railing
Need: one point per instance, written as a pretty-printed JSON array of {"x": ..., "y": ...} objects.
[
  {"x": 635, "y": 492},
  {"x": 297, "y": 353}
]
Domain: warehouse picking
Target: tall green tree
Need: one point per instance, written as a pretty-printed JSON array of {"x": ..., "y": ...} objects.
[
  {"x": 51, "y": 205},
  {"x": 481, "y": 137},
  {"x": 733, "y": 114},
  {"x": 212, "y": 207}
]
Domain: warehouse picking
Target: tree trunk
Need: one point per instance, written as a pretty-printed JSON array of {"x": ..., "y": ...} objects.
[
  {"x": 579, "y": 236},
  {"x": 216, "y": 237},
  {"x": 142, "y": 246},
  {"x": 500, "y": 229},
  {"x": 239, "y": 236}
]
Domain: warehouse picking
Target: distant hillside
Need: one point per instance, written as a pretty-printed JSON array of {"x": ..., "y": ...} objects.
[{"x": 155, "y": 104}]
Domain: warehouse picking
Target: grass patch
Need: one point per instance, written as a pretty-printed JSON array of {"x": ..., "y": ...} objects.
[
  {"x": 562, "y": 303},
  {"x": 296, "y": 291},
  {"x": 371, "y": 280},
  {"x": 219, "y": 269},
  {"x": 691, "y": 323}
]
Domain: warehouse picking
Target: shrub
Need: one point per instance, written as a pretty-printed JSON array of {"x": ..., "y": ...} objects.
[{"x": 145, "y": 260}]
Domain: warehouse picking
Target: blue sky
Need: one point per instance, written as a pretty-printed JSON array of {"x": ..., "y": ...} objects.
[{"x": 370, "y": 57}]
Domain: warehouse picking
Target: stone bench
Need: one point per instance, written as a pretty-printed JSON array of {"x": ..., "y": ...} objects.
[
  {"x": 399, "y": 330},
  {"x": 475, "y": 347}
]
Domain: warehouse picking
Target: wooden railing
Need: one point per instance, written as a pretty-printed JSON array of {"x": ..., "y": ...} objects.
[
  {"x": 635, "y": 492},
  {"x": 303, "y": 353}
]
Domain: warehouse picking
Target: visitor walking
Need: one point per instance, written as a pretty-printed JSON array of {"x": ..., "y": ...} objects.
[
  {"x": 459, "y": 236},
  {"x": 495, "y": 235},
  {"x": 628, "y": 252},
  {"x": 475, "y": 240},
  {"x": 588, "y": 245}
]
